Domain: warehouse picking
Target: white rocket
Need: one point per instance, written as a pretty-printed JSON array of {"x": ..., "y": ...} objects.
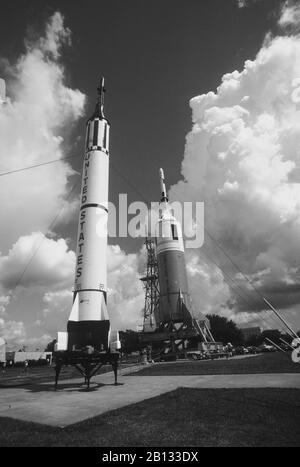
[
  {"x": 175, "y": 303},
  {"x": 89, "y": 323},
  {"x": 175, "y": 307}
]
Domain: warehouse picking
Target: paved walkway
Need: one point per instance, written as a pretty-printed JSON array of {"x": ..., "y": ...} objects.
[{"x": 72, "y": 403}]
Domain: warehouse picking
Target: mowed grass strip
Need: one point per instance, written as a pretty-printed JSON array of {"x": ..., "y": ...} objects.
[
  {"x": 184, "y": 417},
  {"x": 276, "y": 362}
]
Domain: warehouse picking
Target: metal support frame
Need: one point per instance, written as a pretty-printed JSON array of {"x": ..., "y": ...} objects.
[
  {"x": 86, "y": 364},
  {"x": 171, "y": 336},
  {"x": 151, "y": 285},
  {"x": 177, "y": 335}
]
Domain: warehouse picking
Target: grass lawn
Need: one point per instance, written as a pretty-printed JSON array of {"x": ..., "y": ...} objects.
[
  {"x": 275, "y": 362},
  {"x": 185, "y": 417}
]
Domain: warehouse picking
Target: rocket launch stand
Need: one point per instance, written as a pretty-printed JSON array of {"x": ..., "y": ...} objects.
[
  {"x": 87, "y": 364},
  {"x": 178, "y": 334},
  {"x": 172, "y": 337}
]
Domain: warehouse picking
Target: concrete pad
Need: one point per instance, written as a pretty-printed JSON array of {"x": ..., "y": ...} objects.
[{"x": 72, "y": 403}]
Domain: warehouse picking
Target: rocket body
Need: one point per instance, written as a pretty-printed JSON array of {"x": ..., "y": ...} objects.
[
  {"x": 174, "y": 303},
  {"x": 88, "y": 323}
]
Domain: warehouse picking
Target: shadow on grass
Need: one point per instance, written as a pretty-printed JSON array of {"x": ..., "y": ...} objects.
[
  {"x": 67, "y": 387},
  {"x": 184, "y": 417}
]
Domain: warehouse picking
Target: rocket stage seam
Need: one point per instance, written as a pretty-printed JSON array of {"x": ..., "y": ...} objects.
[
  {"x": 98, "y": 148},
  {"x": 94, "y": 205}
]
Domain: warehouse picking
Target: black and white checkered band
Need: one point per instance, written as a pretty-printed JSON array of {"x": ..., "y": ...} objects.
[{"x": 97, "y": 148}]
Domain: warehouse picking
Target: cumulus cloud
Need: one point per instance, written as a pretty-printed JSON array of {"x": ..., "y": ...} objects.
[
  {"x": 12, "y": 331},
  {"x": 56, "y": 35},
  {"x": 4, "y": 301},
  {"x": 52, "y": 265},
  {"x": 245, "y": 3},
  {"x": 16, "y": 336},
  {"x": 242, "y": 3},
  {"x": 207, "y": 288},
  {"x": 56, "y": 311},
  {"x": 125, "y": 292},
  {"x": 290, "y": 16},
  {"x": 34, "y": 127},
  {"x": 242, "y": 158}
]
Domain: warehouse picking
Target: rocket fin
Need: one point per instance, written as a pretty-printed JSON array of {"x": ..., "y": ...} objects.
[
  {"x": 104, "y": 312},
  {"x": 114, "y": 341},
  {"x": 62, "y": 341},
  {"x": 74, "y": 315},
  {"x": 183, "y": 308}
]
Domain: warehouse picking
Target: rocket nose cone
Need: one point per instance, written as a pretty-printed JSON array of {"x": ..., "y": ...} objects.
[{"x": 161, "y": 173}]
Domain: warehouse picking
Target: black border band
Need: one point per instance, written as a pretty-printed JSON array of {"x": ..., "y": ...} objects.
[
  {"x": 90, "y": 290},
  {"x": 97, "y": 148},
  {"x": 94, "y": 205}
]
